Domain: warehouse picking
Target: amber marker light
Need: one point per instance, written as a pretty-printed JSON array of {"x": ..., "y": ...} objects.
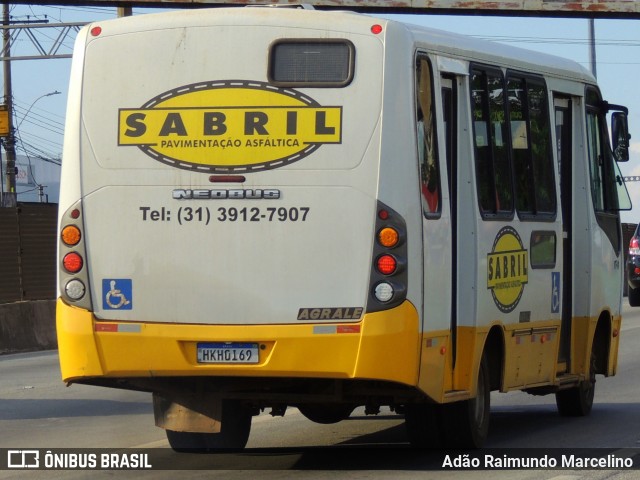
[
  {"x": 70, "y": 235},
  {"x": 388, "y": 237}
]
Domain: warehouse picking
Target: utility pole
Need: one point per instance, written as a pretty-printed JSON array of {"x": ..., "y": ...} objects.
[
  {"x": 125, "y": 10},
  {"x": 7, "y": 128},
  {"x": 592, "y": 47},
  {"x": 9, "y": 196}
]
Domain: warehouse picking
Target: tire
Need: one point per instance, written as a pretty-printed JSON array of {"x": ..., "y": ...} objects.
[
  {"x": 578, "y": 401},
  {"x": 423, "y": 425},
  {"x": 233, "y": 435},
  {"x": 466, "y": 423},
  {"x": 325, "y": 413},
  {"x": 634, "y": 296}
]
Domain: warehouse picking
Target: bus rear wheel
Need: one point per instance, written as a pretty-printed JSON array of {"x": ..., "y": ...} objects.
[
  {"x": 467, "y": 422},
  {"x": 578, "y": 401},
  {"x": 233, "y": 435}
]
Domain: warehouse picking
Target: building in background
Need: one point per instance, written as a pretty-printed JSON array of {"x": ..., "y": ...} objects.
[{"x": 37, "y": 180}]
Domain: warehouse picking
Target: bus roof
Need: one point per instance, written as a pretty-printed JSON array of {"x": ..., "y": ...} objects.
[
  {"x": 473, "y": 49},
  {"x": 438, "y": 41}
]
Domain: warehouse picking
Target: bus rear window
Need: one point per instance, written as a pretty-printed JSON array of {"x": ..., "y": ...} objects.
[{"x": 314, "y": 63}]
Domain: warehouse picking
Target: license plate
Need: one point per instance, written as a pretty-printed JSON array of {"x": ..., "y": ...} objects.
[{"x": 224, "y": 352}]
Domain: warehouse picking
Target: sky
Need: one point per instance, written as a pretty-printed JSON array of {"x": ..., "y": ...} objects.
[{"x": 41, "y": 117}]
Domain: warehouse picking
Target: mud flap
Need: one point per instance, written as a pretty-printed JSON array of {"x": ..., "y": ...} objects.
[{"x": 188, "y": 413}]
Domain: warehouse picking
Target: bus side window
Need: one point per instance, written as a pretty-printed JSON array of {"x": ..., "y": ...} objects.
[
  {"x": 541, "y": 152},
  {"x": 603, "y": 171},
  {"x": 602, "y": 166},
  {"x": 520, "y": 146},
  {"x": 531, "y": 147},
  {"x": 493, "y": 169},
  {"x": 426, "y": 139},
  {"x": 596, "y": 161}
]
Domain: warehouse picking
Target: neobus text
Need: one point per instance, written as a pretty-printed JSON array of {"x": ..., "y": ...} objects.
[{"x": 220, "y": 194}]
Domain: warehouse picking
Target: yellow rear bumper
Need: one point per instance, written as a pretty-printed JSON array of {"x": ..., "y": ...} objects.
[{"x": 382, "y": 346}]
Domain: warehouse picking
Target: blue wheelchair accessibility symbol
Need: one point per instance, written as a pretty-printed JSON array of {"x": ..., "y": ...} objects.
[{"x": 117, "y": 294}]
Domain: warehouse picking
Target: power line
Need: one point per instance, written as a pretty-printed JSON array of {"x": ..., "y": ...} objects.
[
  {"x": 60, "y": 13},
  {"x": 22, "y": 110},
  {"x": 43, "y": 123},
  {"x": 559, "y": 40},
  {"x": 26, "y": 139},
  {"x": 45, "y": 112},
  {"x": 42, "y": 141},
  {"x": 38, "y": 153}
]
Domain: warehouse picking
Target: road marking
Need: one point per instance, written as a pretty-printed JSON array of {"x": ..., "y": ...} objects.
[{"x": 157, "y": 444}]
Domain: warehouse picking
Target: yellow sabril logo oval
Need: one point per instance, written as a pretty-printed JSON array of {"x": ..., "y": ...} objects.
[
  {"x": 507, "y": 269},
  {"x": 229, "y": 126}
]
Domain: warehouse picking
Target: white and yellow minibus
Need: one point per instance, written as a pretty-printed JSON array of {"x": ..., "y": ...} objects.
[{"x": 265, "y": 208}]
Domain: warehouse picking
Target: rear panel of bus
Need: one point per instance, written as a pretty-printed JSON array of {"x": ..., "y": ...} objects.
[{"x": 222, "y": 170}]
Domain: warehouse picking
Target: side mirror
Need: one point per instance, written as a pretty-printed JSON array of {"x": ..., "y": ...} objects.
[{"x": 620, "y": 136}]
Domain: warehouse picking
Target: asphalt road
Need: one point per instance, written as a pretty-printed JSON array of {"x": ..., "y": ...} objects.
[{"x": 37, "y": 411}]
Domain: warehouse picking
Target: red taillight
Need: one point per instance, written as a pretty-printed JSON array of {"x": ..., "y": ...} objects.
[
  {"x": 386, "y": 264},
  {"x": 634, "y": 246},
  {"x": 72, "y": 262}
]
